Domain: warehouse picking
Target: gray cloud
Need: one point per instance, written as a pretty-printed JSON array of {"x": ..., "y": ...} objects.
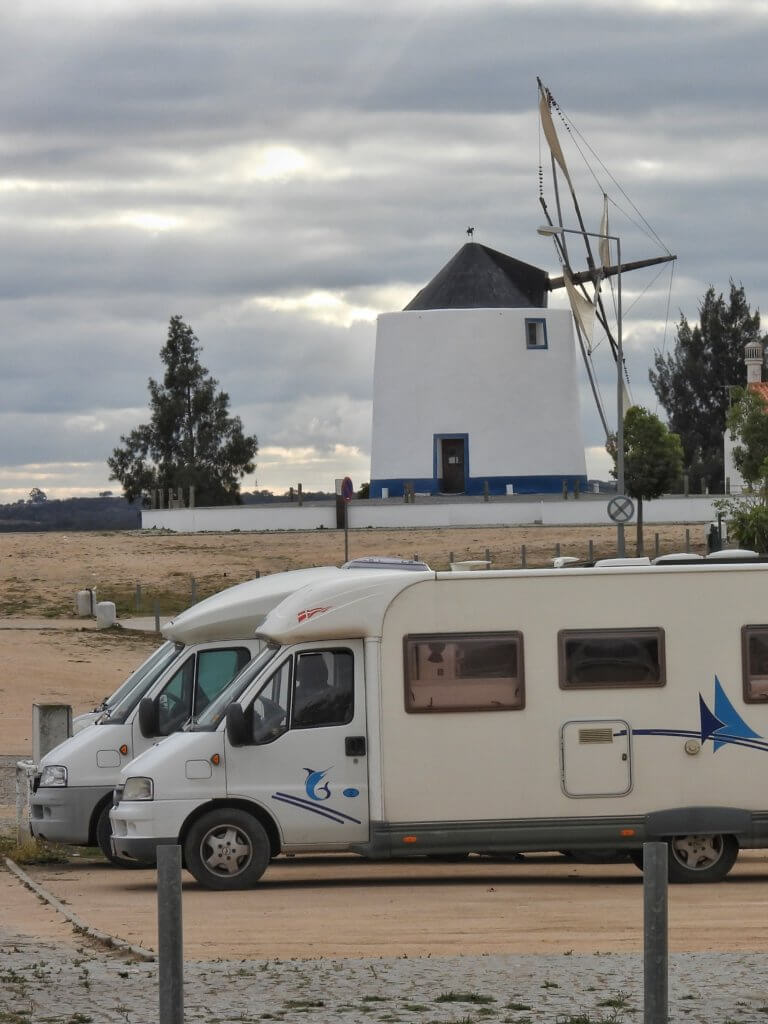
[{"x": 137, "y": 181}]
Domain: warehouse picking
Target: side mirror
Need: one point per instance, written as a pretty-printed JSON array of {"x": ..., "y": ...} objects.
[
  {"x": 148, "y": 717},
  {"x": 237, "y": 726}
]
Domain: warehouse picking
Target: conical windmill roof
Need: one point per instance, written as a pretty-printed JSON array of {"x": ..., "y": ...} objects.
[{"x": 478, "y": 278}]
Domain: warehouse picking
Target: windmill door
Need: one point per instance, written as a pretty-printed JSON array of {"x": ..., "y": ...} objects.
[{"x": 453, "y": 452}]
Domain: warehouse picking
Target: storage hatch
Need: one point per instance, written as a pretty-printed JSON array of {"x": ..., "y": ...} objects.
[{"x": 595, "y": 758}]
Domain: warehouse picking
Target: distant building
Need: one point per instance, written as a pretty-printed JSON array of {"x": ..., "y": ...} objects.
[
  {"x": 753, "y": 357},
  {"x": 474, "y": 381}
]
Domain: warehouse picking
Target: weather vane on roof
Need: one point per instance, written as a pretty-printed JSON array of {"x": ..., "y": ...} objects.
[{"x": 470, "y": 232}]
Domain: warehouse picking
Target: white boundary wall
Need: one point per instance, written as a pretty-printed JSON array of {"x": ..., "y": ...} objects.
[{"x": 584, "y": 511}]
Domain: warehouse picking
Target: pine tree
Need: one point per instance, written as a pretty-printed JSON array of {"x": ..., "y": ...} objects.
[
  {"x": 191, "y": 440},
  {"x": 693, "y": 382}
]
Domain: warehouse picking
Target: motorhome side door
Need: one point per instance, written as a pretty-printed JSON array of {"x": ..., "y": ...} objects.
[{"x": 308, "y": 764}]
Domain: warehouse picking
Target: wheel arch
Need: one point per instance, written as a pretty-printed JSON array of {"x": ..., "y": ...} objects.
[{"x": 256, "y": 810}]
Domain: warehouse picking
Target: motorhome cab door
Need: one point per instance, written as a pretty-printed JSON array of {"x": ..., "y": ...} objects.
[{"x": 306, "y": 760}]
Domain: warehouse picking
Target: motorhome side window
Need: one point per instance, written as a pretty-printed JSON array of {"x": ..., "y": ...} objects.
[
  {"x": 606, "y": 658},
  {"x": 269, "y": 711},
  {"x": 196, "y": 683},
  {"x": 323, "y": 689},
  {"x": 464, "y": 672},
  {"x": 754, "y": 659}
]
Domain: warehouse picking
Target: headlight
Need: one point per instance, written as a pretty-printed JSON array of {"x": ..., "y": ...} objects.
[
  {"x": 138, "y": 788},
  {"x": 53, "y": 775}
]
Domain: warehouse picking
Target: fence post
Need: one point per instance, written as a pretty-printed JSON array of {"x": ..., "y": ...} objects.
[
  {"x": 138, "y": 597},
  {"x": 488, "y": 555},
  {"x": 156, "y": 610},
  {"x": 523, "y": 559},
  {"x": 591, "y": 556},
  {"x": 170, "y": 939},
  {"x": 485, "y": 490},
  {"x": 655, "y": 939},
  {"x": 687, "y": 539},
  {"x": 656, "y": 545},
  {"x": 193, "y": 590},
  {"x": 300, "y": 492},
  {"x": 557, "y": 550}
]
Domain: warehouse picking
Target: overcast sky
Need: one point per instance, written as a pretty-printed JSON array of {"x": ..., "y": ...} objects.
[{"x": 278, "y": 172}]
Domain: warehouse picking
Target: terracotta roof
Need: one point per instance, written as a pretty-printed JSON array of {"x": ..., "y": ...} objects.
[{"x": 759, "y": 388}]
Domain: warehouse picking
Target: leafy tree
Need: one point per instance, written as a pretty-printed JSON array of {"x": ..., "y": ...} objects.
[
  {"x": 692, "y": 382},
  {"x": 653, "y": 459},
  {"x": 747, "y": 421},
  {"x": 191, "y": 440},
  {"x": 37, "y": 497}
]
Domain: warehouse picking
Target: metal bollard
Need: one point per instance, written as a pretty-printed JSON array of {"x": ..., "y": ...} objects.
[
  {"x": 170, "y": 938},
  {"x": 655, "y": 934}
]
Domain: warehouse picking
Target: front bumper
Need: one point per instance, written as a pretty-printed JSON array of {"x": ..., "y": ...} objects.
[
  {"x": 62, "y": 814},
  {"x": 140, "y": 826}
]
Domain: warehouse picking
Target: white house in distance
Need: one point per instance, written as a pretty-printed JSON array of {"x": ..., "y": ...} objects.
[
  {"x": 753, "y": 357},
  {"x": 474, "y": 381}
]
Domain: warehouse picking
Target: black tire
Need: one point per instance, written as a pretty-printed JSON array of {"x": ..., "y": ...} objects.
[
  {"x": 103, "y": 836},
  {"x": 227, "y": 849},
  {"x": 697, "y": 858}
]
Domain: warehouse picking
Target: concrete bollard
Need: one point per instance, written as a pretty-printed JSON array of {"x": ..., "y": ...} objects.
[
  {"x": 106, "y": 614},
  {"x": 655, "y": 934},
  {"x": 170, "y": 940},
  {"x": 51, "y": 725}
]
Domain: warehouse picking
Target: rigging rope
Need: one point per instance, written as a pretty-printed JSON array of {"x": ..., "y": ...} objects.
[{"x": 573, "y": 131}]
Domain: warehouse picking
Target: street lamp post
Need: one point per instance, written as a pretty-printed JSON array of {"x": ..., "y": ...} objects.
[{"x": 558, "y": 229}]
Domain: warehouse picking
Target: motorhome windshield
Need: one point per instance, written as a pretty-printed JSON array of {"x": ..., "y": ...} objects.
[
  {"x": 117, "y": 714},
  {"x": 214, "y": 713},
  {"x": 136, "y": 676}
]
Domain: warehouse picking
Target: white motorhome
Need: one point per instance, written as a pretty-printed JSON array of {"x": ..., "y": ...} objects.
[
  {"x": 205, "y": 648},
  {"x": 448, "y": 713}
]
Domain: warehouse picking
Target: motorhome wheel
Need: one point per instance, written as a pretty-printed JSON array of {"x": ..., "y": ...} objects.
[
  {"x": 227, "y": 849},
  {"x": 103, "y": 837},
  {"x": 701, "y": 858}
]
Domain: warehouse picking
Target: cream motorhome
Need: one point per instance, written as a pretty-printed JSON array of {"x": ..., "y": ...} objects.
[
  {"x": 205, "y": 648},
  {"x": 448, "y": 713}
]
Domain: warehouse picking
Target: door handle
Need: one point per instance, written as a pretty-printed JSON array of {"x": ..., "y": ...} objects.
[{"x": 354, "y": 746}]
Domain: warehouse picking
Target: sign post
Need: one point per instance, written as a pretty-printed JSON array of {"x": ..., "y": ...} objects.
[{"x": 347, "y": 491}]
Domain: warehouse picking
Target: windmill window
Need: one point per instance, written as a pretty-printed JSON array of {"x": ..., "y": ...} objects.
[
  {"x": 754, "y": 660},
  {"x": 535, "y": 332}
]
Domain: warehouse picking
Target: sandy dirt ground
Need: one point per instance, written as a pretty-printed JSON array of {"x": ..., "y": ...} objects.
[{"x": 340, "y": 906}]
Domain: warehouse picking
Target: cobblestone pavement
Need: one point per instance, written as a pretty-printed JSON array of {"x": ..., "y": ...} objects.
[{"x": 57, "y": 984}]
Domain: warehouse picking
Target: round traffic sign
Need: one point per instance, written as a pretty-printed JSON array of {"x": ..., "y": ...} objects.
[
  {"x": 347, "y": 490},
  {"x": 621, "y": 508}
]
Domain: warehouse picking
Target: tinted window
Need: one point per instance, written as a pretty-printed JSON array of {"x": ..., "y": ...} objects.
[
  {"x": 611, "y": 657},
  {"x": 464, "y": 672},
  {"x": 323, "y": 689},
  {"x": 754, "y": 646}
]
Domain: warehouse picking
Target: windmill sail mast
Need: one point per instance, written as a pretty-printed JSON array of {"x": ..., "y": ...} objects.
[{"x": 585, "y": 308}]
